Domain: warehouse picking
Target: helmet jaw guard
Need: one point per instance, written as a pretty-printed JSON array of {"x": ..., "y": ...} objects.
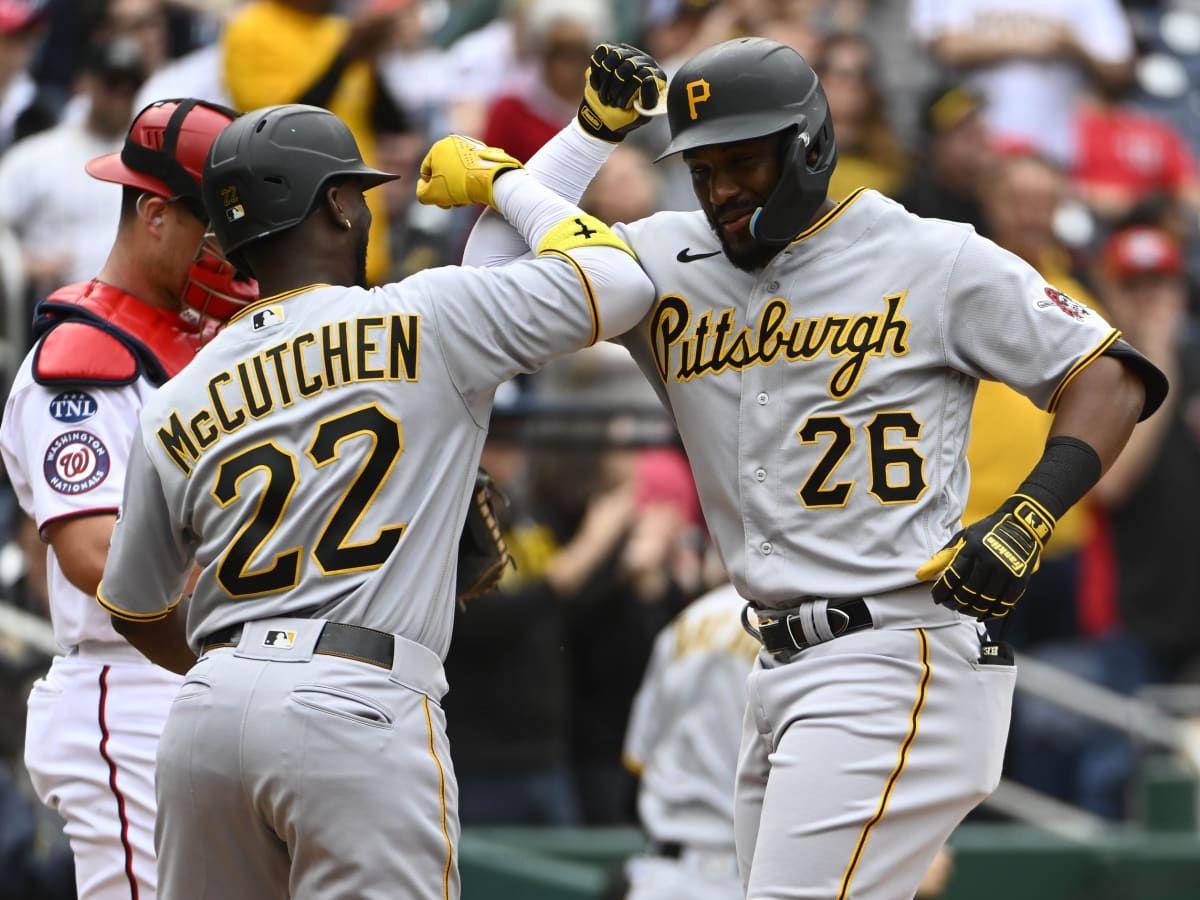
[
  {"x": 750, "y": 88},
  {"x": 802, "y": 186},
  {"x": 213, "y": 288}
]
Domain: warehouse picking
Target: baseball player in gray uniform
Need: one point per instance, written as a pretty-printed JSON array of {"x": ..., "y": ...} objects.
[
  {"x": 682, "y": 743},
  {"x": 314, "y": 465},
  {"x": 820, "y": 361}
]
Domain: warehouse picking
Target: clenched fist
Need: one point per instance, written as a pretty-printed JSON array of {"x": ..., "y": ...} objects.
[{"x": 460, "y": 171}]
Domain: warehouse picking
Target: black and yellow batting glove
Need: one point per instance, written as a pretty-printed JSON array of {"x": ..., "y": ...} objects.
[
  {"x": 622, "y": 90},
  {"x": 986, "y": 567}
]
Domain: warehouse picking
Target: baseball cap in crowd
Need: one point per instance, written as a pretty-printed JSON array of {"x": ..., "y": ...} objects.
[
  {"x": 947, "y": 105},
  {"x": 119, "y": 61},
  {"x": 660, "y": 12},
  {"x": 1142, "y": 250},
  {"x": 16, "y": 15}
]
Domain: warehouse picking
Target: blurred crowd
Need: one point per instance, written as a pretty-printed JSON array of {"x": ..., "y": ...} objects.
[{"x": 1067, "y": 131}]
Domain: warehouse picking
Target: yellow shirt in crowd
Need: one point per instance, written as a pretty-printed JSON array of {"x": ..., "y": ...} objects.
[{"x": 272, "y": 53}]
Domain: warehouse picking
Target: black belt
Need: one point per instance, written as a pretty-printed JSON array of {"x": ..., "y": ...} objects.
[
  {"x": 347, "y": 641},
  {"x": 667, "y": 849},
  {"x": 783, "y": 635}
]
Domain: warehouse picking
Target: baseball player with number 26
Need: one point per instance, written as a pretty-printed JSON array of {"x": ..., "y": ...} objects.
[
  {"x": 820, "y": 360},
  {"x": 316, "y": 461}
]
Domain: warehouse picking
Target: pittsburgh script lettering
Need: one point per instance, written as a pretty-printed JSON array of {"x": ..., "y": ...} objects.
[{"x": 684, "y": 349}]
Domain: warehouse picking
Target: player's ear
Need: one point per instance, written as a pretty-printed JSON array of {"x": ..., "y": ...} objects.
[
  {"x": 152, "y": 209},
  {"x": 336, "y": 206}
]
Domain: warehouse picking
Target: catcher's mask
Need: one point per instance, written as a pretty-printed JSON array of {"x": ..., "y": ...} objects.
[
  {"x": 214, "y": 287},
  {"x": 749, "y": 88},
  {"x": 266, "y": 171}
]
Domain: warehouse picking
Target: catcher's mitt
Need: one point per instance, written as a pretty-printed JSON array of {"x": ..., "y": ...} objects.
[{"x": 482, "y": 553}]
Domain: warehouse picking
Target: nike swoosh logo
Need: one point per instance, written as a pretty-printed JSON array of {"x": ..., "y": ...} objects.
[{"x": 684, "y": 256}]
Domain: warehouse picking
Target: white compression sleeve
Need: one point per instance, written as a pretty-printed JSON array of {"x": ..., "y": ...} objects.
[
  {"x": 529, "y": 206},
  {"x": 569, "y": 161},
  {"x": 566, "y": 164}
]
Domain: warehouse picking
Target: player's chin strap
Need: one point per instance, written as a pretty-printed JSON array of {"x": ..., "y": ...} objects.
[{"x": 214, "y": 290}]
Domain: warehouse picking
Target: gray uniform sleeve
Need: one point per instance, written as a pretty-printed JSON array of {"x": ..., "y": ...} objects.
[
  {"x": 497, "y": 322},
  {"x": 1001, "y": 321},
  {"x": 149, "y": 560}
]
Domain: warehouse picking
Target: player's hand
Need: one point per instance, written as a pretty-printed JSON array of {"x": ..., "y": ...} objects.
[
  {"x": 986, "y": 567},
  {"x": 622, "y": 90},
  {"x": 460, "y": 171}
]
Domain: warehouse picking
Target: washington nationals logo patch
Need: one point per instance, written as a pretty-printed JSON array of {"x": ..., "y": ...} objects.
[
  {"x": 76, "y": 462},
  {"x": 1057, "y": 299}
]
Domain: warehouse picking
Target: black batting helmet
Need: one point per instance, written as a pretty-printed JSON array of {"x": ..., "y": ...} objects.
[
  {"x": 749, "y": 88},
  {"x": 265, "y": 172}
]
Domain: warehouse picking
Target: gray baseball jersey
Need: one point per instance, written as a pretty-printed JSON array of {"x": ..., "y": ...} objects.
[
  {"x": 685, "y": 724},
  {"x": 317, "y": 456},
  {"x": 825, "y": 401}
]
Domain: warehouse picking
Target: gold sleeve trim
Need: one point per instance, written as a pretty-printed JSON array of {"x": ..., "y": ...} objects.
[
  {"x": 587, "y": 289},
  {"x": 1080, "y": 366},
  {"x": 914, "y": 723},
  {"x": 132, "y": 616}
]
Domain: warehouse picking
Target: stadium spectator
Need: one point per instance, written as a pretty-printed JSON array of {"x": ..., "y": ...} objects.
[
  {"x": 542, "y": 97},
  {"x": 64, "y": 219},
  {"x": 955, "y": 160},
  {"x": 22, "y": 112},
  {"x": 869, "y": 153},
  {"x": 1125, "y": 156},
  {"x": 301, "y": 51},
  {"x": 1151, "y": 497},
  {"x": 625, "y": 189},
  {"x": 1031, "y": 59}
]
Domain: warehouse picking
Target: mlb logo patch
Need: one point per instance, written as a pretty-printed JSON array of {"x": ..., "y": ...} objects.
[
  {"x": 267, "y": 318},
  {"x": 235, "y": 212},
  {"x": 282, "y": 640}
]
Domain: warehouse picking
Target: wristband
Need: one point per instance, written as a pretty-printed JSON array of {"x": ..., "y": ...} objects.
[{"x": 1068, "y": 469}]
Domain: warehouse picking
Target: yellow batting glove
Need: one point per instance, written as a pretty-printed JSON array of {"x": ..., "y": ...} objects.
[{"x": 459, "y": 171}]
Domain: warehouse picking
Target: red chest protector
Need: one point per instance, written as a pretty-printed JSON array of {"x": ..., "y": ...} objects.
[{"x": 94, "y": 333}]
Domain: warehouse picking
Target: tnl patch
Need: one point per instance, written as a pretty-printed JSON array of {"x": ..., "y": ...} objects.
[
  {"x": 73, "y": 406},
  {"x": 283, "y": 640},
  {"x": 76, "y": 462}
]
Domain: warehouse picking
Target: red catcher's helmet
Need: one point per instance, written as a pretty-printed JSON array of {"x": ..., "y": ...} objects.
[{"x": 165, "y": 150}]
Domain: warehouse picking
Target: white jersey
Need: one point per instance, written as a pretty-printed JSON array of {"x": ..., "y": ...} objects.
[
  {"x": 316, "y": 458},
  {"x": 686, "y": 723},
  {"x": 842, "y": 482},
  {"x": 65, "y": 450}
]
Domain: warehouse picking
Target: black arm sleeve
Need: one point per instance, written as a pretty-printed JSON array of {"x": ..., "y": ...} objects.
[{"x": 1151, "y": 375}]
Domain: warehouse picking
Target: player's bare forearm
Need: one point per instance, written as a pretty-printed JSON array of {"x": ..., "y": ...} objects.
[
  {"x": 81, "y": 547},
  {"x": 163, "y": 642},
  {"x": 1100, "y": 407}
]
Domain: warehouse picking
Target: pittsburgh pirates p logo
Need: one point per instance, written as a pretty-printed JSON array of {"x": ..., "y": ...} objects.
[{"x": 698, "y": 91}]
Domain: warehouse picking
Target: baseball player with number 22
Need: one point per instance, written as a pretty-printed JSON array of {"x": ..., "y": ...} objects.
[
  {"x": 820, "y": 360},
  {"x": 316, "y": 461}
]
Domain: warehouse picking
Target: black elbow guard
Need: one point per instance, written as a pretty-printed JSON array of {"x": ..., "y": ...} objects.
[{"x": 1152, "y": 377}]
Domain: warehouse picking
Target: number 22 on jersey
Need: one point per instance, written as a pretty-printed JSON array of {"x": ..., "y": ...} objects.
[{"x": 332, "y": 552}]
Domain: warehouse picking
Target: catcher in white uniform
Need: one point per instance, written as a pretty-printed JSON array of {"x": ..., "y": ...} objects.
[
  {"x": 820, "y": 361},
  {"x": 103, "y": 347},
  {"x": 315, "y": 462}
]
